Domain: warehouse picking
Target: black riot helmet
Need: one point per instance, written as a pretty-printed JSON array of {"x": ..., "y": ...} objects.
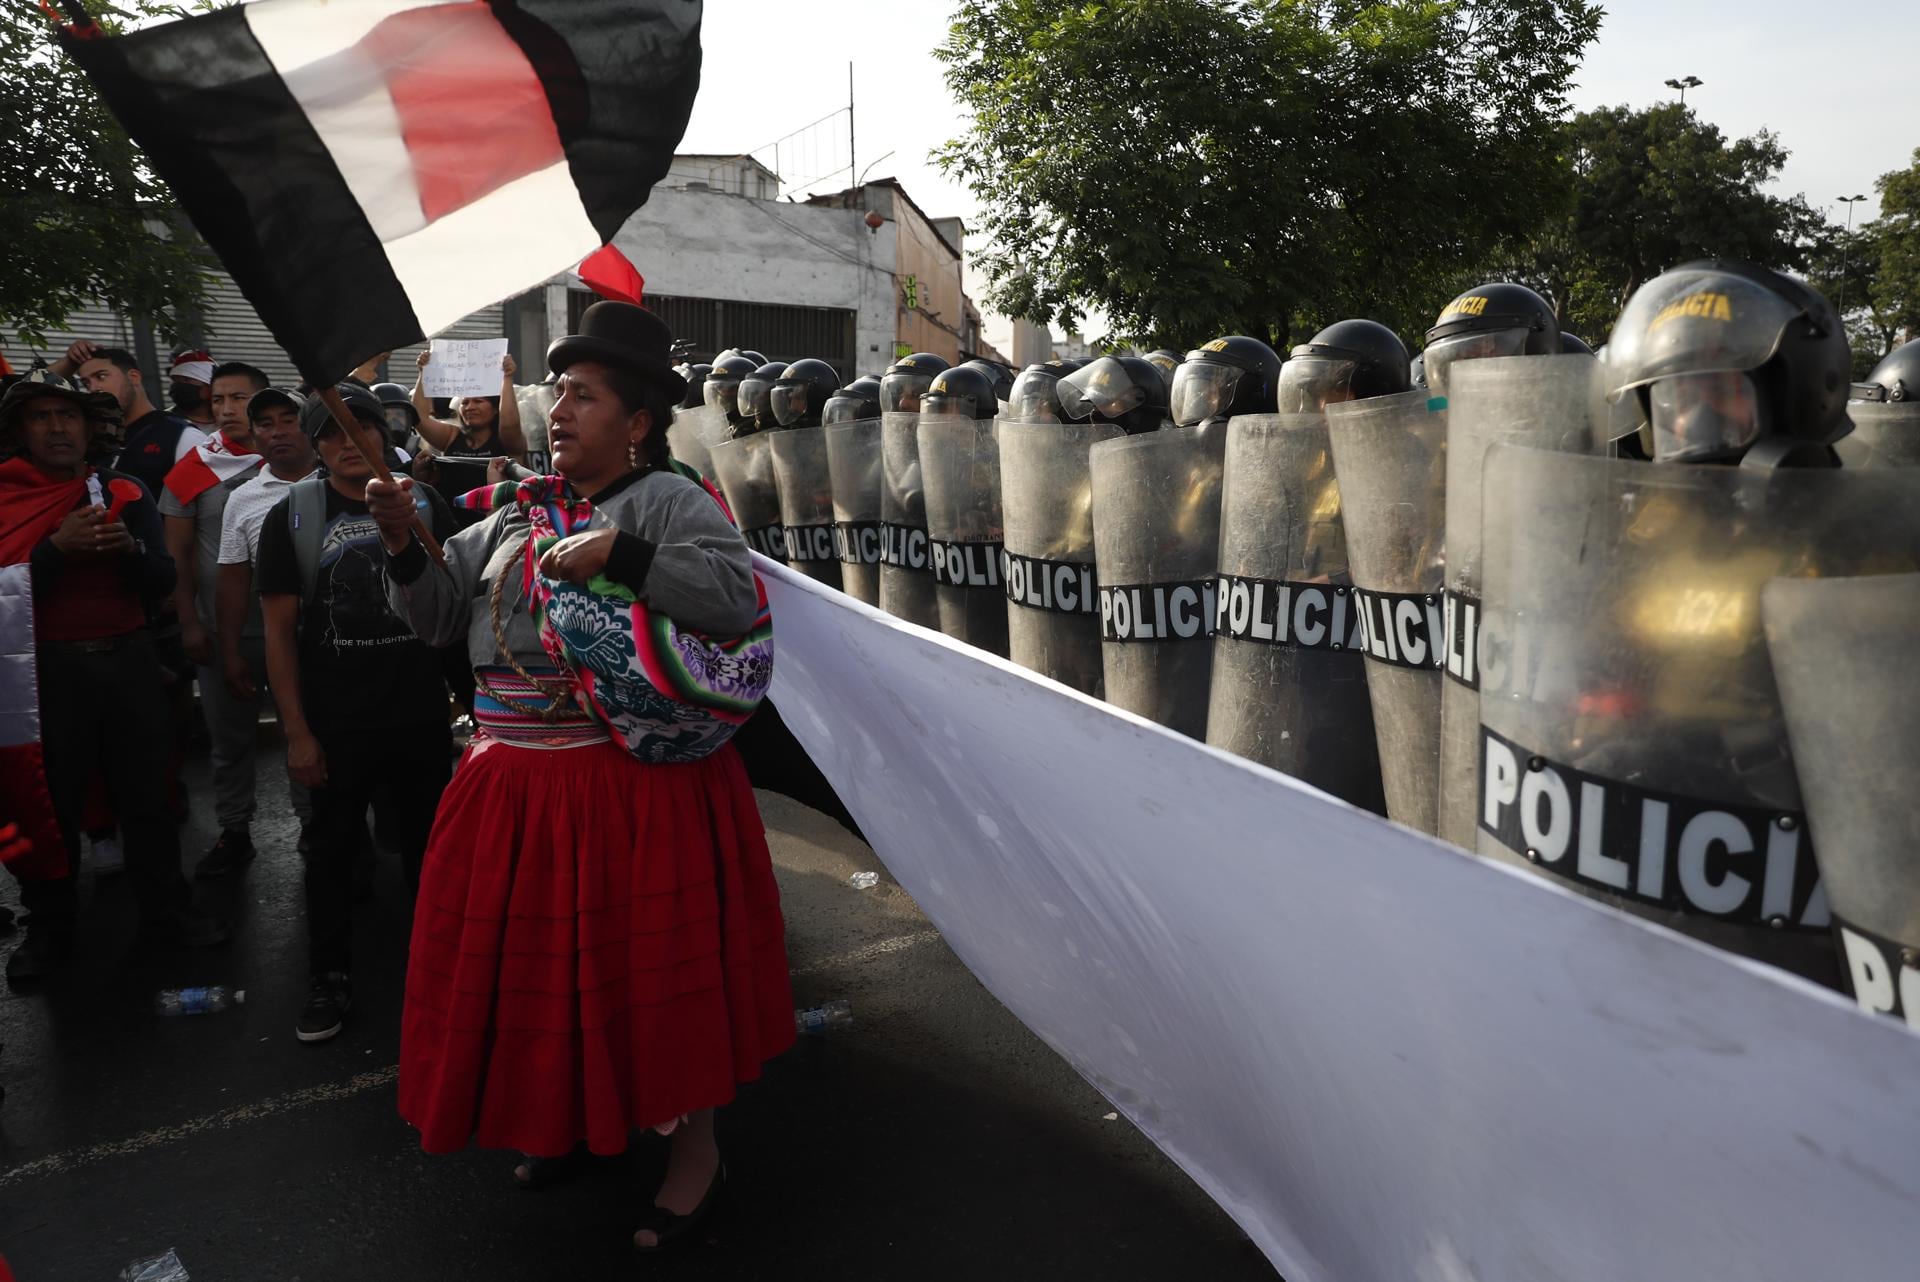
[
  {"x": 1231, "y": 375},
  {"x": 1498, "y": 319},
  {"x": 1732, "y": 362},
  {"x": 757, "y": 359},
  {"x": 696, "y": 386},
  {"x": 965, "y": 391},
  {"x": 1574, "y": 345},
  {"x": 756, "y": 393},
  {"x": 397, "y": 405},
  {"x": 722, "y": 387},
  {"x": 1347, "y": 361},
  {"x": 1001, "y": 376},
  {"x": 1895, "y": 379},
  {"x": 857, "y": 400},
  {"x": 1126, "y": 390},
  {"x": 1034, "y": 398},
  {"x": 801, "y": 392},
  {"x": 1166, "y": 360},
  {"x": 906, "y": 379}
]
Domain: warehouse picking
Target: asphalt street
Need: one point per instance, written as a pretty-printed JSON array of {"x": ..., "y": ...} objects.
[{"x": 935, "y": 1139}]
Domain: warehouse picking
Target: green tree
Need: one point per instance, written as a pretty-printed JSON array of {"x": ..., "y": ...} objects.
[
  {"x": 1880, "y": 262},
  {"x": 1653, "y": 187},
  {"x": 1194, "y": 167},
  {"x": 83, "y": 219}
]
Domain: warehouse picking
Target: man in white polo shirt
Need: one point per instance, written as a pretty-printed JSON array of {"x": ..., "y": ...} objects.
[{"x": 289, "y": 456}]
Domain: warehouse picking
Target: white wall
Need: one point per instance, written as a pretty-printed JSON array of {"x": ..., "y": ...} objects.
[{"x": 709, "y": 245}]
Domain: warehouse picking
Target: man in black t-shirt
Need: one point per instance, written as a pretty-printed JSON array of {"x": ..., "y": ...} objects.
[{"x": 360, "y": 696}]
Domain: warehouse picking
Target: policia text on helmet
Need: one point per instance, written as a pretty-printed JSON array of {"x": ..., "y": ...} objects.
[{"x": 1496, "y": 319}]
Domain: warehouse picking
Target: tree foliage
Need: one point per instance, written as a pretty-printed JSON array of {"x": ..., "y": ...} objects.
[
  {"x": 83, "y": 218},
  {"x": 1196, "y": 167},
  {"x": 1654, "y": 187}
]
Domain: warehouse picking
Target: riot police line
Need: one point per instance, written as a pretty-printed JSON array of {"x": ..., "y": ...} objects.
[{"x": 1582, "y": 613}]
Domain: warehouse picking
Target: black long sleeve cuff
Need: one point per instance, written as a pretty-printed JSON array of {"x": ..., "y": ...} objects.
[
  {"x": 409, "y": 563},
  {"x": 630, "y": 560}
]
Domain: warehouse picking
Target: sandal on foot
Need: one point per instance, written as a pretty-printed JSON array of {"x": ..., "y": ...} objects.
[
  {"x": 668, "y": 1228},
  {"x": 545, "y": 1172}
]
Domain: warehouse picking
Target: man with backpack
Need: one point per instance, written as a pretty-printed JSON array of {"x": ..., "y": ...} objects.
[{"x": 361, "y": 697}]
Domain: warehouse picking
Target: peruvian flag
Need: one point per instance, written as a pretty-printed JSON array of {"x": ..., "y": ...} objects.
[
  {"x": 213, "y": 463},
  {"x": 371, "y": 171}
]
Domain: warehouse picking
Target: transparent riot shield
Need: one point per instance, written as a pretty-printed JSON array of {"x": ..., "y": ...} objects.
[
  {"x": 960, "y": 460},
  {"x": 1543, "y": 401},
  {"x": 853, "y": 459},
  {"x": 805, "y": 482},
  {"x": 1390, "y": 453},
  {"x": 1053, "y": 602},
  {"x": 1289, "y": 684},
  {"x": 693, "y": 435},
  {"x": 1632, "y": 740},
  {"x": 1842, "y": 652},
  {"x": 1156, "y": 534},
  {"x": 1885, "y": 434},
  {"x": 906, "y": 568},
  {"x": 744, "y": 470}
]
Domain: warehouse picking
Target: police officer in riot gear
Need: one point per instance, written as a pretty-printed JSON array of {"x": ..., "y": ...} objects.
[
  {"x": 1228, "y": 376},
  {"x": 1126, "y": 390},
  {"x": 965, "y": 391},
  {"x": 1166, "y": 360},
  {"x": 1733, "y": 363},
  {"x": 1001, "y": 376},
  {"x": 757, "y": 359},
  {"x": 800, "y": 395},
  {"x": 755, "y": 397},
  {"x": 396, "y": 404},
  {"x": 1034, "y": 398},
  {"x": 906, "y": 379},
  {"x": 1350, "y": 360},
  {"x": 1896, "y": 379},
  {"x": 722, "y": 388},
  {"x": 1886, "y": 414},
  {"x": 696, "y": 386},
  {"x": 1497, "y": 319},
  {"x": 857, "y": 400}
]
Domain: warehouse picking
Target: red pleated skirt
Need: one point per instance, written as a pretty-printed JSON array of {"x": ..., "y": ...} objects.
[{"x": 597, "y": 946}]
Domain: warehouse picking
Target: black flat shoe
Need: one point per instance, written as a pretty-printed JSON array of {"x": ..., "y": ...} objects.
[
  {"x": 545, "y": 1172},
  {"x": 668, "y": 1228}
]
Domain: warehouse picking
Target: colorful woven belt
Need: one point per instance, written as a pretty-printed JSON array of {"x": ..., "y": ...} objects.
[{"x": 568, "y": 726}]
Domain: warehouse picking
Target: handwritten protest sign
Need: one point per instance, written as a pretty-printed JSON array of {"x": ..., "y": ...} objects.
[{"x": 465, "y": 367}]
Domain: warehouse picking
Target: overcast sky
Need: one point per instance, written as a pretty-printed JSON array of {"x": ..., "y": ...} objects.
[{"x": 1832, "y": 79}]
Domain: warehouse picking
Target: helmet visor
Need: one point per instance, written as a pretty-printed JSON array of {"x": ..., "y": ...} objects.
[
  {"x": 1311, "y": 383},
  {"x": 1104, "y": 388},
  {"x": 1202, "y": 389},
  {"x": 901, "y": 393},
  {"x": 842, "y": 409},
  {"x": 753, "y": 396},
  {"x": 1465, "y": 347},
  {"x": 1703, "y": 416},
  {"x": 1033, "y": 399},
  {"x": 724, "y": 393},
  {"x": 951, "y": 404},
  {"x": 788, "y": 401},
  {"x": 1695, "y": 322}
]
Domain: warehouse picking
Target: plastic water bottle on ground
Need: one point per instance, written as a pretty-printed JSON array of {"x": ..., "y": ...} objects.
[
  {"x": 821, "y": 1019},
  {"x": 864, "y": 880},
  {"x": 161, "y": 1268},
  {"x": 198, "y": 1001}
]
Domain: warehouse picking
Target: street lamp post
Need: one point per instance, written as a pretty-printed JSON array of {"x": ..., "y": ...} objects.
[
  {"x": 1846, "y": 248},
  {"x": 1683, "y": 84}
]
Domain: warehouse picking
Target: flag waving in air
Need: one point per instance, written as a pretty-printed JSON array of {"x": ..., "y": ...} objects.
[{"x": 370, "y": 171}]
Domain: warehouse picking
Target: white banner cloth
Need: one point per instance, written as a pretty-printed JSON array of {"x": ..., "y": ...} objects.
[{"x": 1388, "y": 1060}]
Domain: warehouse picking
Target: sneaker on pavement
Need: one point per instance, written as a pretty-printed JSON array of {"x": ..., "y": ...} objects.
[
  {"x": 41, "y": 953},
  {"x": 328, "y": 1000},
  {"x": 108, "y": 858},
  {"x": 187, "y": 928},
  {"x": 229, "y": 855}
]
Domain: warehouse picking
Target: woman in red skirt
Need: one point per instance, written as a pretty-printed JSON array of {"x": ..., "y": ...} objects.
[{"x": 597, "y": 945}]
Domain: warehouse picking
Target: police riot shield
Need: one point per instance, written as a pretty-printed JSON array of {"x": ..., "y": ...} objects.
[
  {"x": 694, "y": 434},
  {"x": 1885, "y": 434},
  {"x": 960, "y": 460},
  {"x": 1544, "y": 401},
  {"x": 1390, "y": 454},
  {"x": 1842, "y": 652},
  {"x": 1632, "y": 740},
  {"x": 744, "y": 470},
  {"x": 1053, "y": 605},
  {"x": 1156, "y": 534},
  {"x": 853, "y": 460},
  {"x": 805, "y": 483},
  {"x": 1289, "y": 684},
  {"x": 906, "y": 575}
]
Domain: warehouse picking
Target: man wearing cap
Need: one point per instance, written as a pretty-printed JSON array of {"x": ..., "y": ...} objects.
[
  {"x": 361, "y": 697},
  {"x": 192, "y": 502},
  {"x": 89, "y": 540}
]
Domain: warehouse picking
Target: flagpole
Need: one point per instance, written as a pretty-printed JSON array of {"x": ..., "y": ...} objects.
[{"x": 343, "y": 417}]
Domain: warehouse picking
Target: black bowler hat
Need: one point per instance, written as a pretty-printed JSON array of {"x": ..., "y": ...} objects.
[{"x": 626, "y": 336}]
